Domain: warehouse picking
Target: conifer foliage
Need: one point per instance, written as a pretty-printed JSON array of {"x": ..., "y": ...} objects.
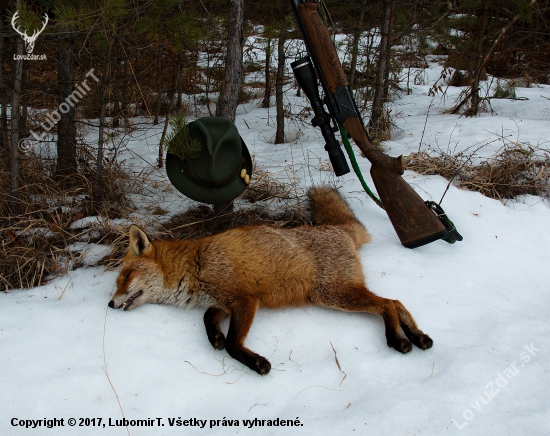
[{"x": 178, "y": 141}]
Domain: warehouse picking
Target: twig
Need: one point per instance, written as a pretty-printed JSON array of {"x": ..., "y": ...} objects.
[
  {"x": 292, "y": 360},
  {"x": 338, "y": 364},
  {"x": 259, "y": 404},
  {"x": 238, "y": 378},
  {"x": 107, "y": 373},
  {"x": 323, "y": 387},
  {"x": 65, "y": 288},
  {"x": 469, "y": 93},
  {"x": 459, "y": 169},
  {"x": 425, "y": 123},
  {"x": 202, "y": 372},
  {"x": 41, "y": 272}
]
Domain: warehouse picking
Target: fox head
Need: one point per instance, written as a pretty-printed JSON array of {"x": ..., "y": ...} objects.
[{"x": 140, "y": 278}]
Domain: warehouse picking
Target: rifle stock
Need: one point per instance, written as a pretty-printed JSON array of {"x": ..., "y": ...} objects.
[{"x": 414, "y": 223}]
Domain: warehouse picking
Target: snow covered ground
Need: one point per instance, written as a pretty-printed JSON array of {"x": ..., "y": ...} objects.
[{"x": 484, "y": 301}]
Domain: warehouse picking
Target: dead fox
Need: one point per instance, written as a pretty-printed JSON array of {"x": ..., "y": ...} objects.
[{"x": 236, "y": 272}]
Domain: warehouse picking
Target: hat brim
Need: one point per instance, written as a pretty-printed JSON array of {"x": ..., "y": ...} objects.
[{"x": 207, "y": 195}]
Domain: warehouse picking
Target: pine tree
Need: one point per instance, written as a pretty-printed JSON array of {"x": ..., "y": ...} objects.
[
  {"x": 383, "y": 66},
  {"x": 66, "y": 20},
  {"x": 229, "y": 92},
  {"x": 17, "y": 74},
  {"x": 283, "y": 36}
]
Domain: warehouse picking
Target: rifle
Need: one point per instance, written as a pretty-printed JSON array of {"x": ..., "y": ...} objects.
[{"x": 414, "y": 220}]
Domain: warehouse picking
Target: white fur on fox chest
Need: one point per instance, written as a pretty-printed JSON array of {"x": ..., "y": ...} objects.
[{"x": 181, "y": 296}]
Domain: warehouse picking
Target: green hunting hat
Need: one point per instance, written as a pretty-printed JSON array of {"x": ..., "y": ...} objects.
[{"x": 220, "y": 171}]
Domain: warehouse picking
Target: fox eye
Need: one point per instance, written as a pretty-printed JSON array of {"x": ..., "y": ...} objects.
[{"x": 127, "y": 276}]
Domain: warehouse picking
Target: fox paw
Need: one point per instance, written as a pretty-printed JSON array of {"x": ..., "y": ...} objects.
[
  {"x": 423, "y": 341},
  {"x": 259, "y": 364},
  {"x": 403, "y": 345},
  {"x": 217, "y": 340}
]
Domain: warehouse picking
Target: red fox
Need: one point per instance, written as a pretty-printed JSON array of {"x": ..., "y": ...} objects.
[{"x": 235, "y": 272}]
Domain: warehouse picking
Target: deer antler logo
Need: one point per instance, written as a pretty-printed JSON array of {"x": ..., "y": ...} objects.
[{"x": 29, "y": 40}]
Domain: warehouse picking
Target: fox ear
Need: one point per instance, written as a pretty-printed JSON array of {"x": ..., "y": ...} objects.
[{"x": 138, "y": 241}]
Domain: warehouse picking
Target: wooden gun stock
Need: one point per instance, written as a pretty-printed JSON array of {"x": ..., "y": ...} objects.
[{"x": 414, "y": 223}]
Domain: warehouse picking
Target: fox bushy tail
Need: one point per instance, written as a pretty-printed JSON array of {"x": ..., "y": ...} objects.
[{"x": 328, "y": 207}]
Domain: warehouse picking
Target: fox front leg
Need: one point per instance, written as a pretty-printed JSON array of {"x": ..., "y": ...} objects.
[
  {"x": 242, "y": 314},
  {"x": 212, "y": 319}
]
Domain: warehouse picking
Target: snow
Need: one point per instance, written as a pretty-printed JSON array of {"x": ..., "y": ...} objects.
[{"x": 484, "y": 302}]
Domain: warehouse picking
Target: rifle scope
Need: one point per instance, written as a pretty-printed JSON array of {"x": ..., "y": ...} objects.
[{"x": 307, "y": 79}]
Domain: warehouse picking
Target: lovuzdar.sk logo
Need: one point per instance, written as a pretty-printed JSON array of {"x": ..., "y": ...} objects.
[{"x": 29, "y": 40}]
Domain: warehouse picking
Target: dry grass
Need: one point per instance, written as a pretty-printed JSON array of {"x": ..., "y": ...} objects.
[
  {"x": 23, "y": 267},
  {"x": 383, "y": 131},
  {"x": 201, "y": 221},
  {"x": 264, "y": 187},
  {"x": 33, "y": 243},
  {"x": 516, "y": 169},
  {"x": 266, "y": 201}
]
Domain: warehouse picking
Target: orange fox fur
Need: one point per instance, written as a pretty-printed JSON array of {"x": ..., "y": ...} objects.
[{"x": 236, "y": 272}]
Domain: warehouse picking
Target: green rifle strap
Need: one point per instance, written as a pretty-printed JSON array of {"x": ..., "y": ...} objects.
[{"x": 355, "y": 166}]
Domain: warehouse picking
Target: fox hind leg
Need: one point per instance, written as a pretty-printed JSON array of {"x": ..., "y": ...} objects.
[
  {"x": 360, "y": 299},
  {"x": 212, "y": 319},
  {"x": 417, "y": 336}
]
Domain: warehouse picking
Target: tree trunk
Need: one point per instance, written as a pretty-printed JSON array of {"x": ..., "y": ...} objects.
[
  {"x": 124, "y": 85},
  {"x": 66, "y": 128},
  {"x": 169, "y": 111},
  {"x": 24, "y": 116},
  {"x": 478, "y": 69},
  {"x": 97, "y": 191},
  {"x": 159, "y": 87},
  {"x": 385, "y": 94},
  {"x": 267, "y": 92},
  {"x": 473, "y": 93},
  {"x": 178, "y": 81},
  {"x": 207, "y": 86},
  {"x": 280, "y": 132},
  {"x": 125, "y": 98},
  {"x": 5, "y": 148},
  {"x": 377, "y": 103},
  {"x": 229, "y": 93},
  {"x": 116, "y": 88},
  {"x": 355, "y": 44},
  {"x": 17, "y": 66},
  {"x": 369, "y": 67}
]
